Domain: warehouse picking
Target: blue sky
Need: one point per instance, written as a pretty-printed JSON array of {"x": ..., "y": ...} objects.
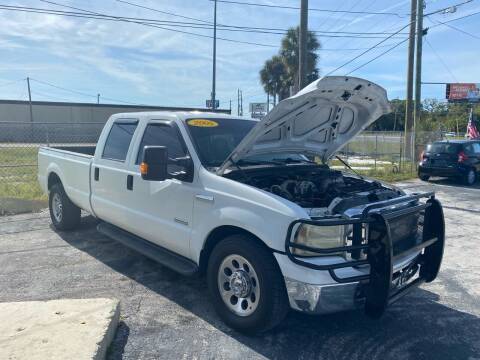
[{"x": 140, "y": 64}]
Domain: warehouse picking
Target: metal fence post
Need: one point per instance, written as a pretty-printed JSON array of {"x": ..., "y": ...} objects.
[
  {"x": 376, "y": 152},
  {"x": 400, "y": 162}
]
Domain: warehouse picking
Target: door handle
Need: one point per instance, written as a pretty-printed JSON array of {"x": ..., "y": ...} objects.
[
  {"x": 129, "y": 182},
  {"x": 97, "y": 174}
]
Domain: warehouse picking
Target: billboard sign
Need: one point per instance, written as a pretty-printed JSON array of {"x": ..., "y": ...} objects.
[
  {"x": 258, "y": 108},
  {"x": 463, "y": 92}
]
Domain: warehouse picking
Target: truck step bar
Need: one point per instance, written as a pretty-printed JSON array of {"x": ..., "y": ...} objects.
[{"x": 165, "y": 257}]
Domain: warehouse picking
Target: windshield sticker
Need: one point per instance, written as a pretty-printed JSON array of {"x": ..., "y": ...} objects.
[{"x": 202, "y": 123}]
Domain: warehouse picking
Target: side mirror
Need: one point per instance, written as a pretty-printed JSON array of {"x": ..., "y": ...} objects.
[{"x": 154, "y": 163}]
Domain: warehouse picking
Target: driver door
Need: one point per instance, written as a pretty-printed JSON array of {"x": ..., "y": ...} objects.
[{"x": 163, "y": 209}]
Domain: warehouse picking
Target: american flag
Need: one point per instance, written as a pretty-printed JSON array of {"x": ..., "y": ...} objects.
[{"x": 472, "y": 131}]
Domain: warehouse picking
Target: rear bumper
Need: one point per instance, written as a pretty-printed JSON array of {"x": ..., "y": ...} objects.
[
  {"x": 452, "y": 171},
  {"x": 373, "y": 251}
]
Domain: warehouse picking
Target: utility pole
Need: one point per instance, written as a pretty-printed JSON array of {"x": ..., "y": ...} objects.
[
  {"x": 241, "y": 103},
  {"x": 98, "y": 98},
  {"x": 418, "y": 74},
  {"x": 214, "y": 52},
  {"x": 238, "y": 102},
  {"x": 30, "y": 99},
  {"x": 409, "y": 97},
  {"x": 302, "y": 41}
]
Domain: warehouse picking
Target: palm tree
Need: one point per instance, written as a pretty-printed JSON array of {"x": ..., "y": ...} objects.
[
  {"x": 290, "y": 54},
  {"x": 272, "y": 77},
  {"x": 280, "y": 72}
]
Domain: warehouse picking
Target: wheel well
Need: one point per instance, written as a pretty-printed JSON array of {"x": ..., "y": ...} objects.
[
  {"x": 52, "y": 180},
  {"x": 216, "y": 236}
]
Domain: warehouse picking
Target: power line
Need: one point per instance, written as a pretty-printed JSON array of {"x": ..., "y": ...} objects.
[
  {"x": 441, "y": 60},
  {"x": 11, "y": 82},
  {"x": 99, "y": 16},
  {"x": 164, "y": 12},
  {"x": 378, "y": 56},
  {"x": 167, "y": 25},
  {"x": 237, "y": 26},
  {"x": 459, "y": 18},
  {"x": 310, "y": 9},
  {"x": 62, "y": 88},
  {"x": 366, "y": 51},
  {"x": 456, "y": 29},
  {"x": 395, "y": 46},
  {"x": 78, "y": 92}
]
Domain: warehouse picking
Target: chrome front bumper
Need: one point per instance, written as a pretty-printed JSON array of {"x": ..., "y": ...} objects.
[
  {"x": 323, "y": 299},
  {"x": 373, "y": 237}
]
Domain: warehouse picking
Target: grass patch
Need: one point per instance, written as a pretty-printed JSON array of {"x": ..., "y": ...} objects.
[
  {"x": 18, "y": 155},
  {"x": 384, "y": 172},
  {"x": 22, "y": 190}
]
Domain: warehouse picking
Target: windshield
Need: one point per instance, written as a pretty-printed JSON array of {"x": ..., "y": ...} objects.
[{"x": 215, "y": 139}]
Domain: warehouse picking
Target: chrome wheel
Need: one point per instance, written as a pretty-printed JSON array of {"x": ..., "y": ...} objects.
[
  {"x": 238, "y": 285},
  {"x": 57, "y": 207}
]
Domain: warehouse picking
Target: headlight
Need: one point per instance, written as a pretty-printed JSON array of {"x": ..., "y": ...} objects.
[{"x": 320, "y": 237}]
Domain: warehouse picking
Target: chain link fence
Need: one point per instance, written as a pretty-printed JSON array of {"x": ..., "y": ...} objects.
[
  {"x": 19, "y": 144},
  {"x": 373, "y": 153},
  {"x": 379, "y": 152}
]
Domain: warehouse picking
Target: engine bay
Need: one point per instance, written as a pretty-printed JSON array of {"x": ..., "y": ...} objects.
[{"x": 315, "y": 186}]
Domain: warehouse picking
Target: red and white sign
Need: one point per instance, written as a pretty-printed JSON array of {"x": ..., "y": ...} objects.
[{"x": 463, "y": 92}]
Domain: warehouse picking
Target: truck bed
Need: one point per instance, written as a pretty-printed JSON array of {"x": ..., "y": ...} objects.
[
  {"x": 72, "y": 164},
  {"x": 80, "y": 149}
]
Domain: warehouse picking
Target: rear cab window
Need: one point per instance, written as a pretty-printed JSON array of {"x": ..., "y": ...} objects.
[
  {"x": 443, "y": 148},
  {"x": 476, "y": 148},
  {"x": 119, "y": 139}
]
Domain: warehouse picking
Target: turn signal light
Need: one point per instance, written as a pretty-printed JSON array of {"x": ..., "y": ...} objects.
[
  {"x": 462, "y": 157},
  {"x": 144, "y": 168}
]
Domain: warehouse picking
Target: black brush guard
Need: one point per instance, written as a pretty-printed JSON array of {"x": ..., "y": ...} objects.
[{"x": 377, "y": 243}]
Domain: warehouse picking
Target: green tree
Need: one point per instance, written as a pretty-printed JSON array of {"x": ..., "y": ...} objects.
[
  {"x": 290, "y": 55},
  {"x": 281, "y": 71},
  {"x": 272, "y": 76}
]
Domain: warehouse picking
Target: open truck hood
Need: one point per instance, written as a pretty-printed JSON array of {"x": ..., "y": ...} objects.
[{"x": 319, "y": 120}]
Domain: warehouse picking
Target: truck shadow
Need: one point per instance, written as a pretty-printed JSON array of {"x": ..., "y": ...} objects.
[{"x": 416, "y": 327}]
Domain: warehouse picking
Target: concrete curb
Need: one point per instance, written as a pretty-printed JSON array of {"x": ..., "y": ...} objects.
[
  {"x": 107, "y": 339},
  {"x": 58, "y": 329}
]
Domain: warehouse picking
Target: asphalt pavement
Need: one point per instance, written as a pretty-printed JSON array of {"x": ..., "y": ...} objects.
[{"x": 167, "y": 316}]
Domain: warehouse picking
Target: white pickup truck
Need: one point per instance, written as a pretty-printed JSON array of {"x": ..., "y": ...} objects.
[{"x": 254, "y": 206}]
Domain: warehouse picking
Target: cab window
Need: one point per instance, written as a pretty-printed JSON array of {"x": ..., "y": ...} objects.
[
  {"x": 119, "y": 139},
  {"x": 163, "y": 135}
]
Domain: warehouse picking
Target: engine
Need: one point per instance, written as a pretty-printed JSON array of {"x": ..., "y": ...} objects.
[{"x": 315, "y": 186}]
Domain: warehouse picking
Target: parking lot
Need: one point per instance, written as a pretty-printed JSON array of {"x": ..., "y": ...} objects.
[{"x": 167, "y": 316}]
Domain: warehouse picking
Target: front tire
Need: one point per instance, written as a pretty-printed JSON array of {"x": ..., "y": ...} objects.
[
  {"x": 65, "y": 215},
  {"x": 424, "y": 177},
  {"x": 246, "y": 285}
]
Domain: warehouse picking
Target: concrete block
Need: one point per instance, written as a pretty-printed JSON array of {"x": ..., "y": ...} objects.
[{"x": 57, "y": 329}]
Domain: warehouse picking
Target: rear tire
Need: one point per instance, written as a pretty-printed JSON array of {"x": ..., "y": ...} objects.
[
  {"x": 246, "y": 285},
  {"x": 470, "y": 177},
  {"x": 424, "y": 177},
  {"x": 65, "y": 215}
]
